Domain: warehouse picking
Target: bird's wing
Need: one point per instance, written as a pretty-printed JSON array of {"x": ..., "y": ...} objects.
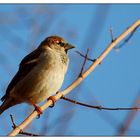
[{"x": 25, "y": 67}]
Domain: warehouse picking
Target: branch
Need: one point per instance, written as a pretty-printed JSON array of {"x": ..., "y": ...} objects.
[
  {"x": 77, "y": 81},
  {"x": 99, "y": 107},
  {"x": 20, "y": 132},
  {"x": 127, "y": 39},
  {"x": 86, "y": 56},
  {"x": 92, "y": 60},
  {"x": 111, "y": 34}
]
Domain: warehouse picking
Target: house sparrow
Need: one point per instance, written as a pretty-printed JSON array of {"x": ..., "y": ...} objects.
[{"x": 40, "y": 75}]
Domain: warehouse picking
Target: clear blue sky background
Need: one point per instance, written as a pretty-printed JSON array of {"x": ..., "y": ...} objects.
[{"x": 115, "y": 83}]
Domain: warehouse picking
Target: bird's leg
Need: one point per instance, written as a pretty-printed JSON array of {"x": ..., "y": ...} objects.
[
  {"x": 37, "y": 108},
  {"x": 53, "y": 99}
]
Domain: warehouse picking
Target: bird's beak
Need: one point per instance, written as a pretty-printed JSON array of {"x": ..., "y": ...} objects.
[{"x": 69, "y": 46}]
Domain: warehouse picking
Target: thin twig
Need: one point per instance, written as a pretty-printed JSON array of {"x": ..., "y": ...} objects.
[
  {"x": 92, "y": 60},
  {"x": 20, "y": 132},
  {"x": 13, "y": 122},
  {"x": 99, "y": 107},
  {"x": 127, "y": 39},
  {"x": 81, "y": 71},
  {"x": 28, "y": 134},
  {"x": 84, "y": 56},
  {"x": 78, "y": 80},
  {"x": 111, "y": 33}
]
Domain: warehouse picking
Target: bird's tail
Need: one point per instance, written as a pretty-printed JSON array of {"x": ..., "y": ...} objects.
[{"x": 6, "y": 104}]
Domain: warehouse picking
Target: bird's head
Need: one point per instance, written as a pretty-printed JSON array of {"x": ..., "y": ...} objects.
[{"x": 57, "y": 43}]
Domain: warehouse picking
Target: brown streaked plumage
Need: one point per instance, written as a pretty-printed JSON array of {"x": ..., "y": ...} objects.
[{"x": 40, "y": 73}]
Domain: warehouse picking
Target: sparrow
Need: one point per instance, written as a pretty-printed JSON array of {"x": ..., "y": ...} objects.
[{"x": 40, "y": 75}]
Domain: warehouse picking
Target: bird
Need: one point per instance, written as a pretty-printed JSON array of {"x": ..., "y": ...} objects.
[{"x": 40, "y": 74}]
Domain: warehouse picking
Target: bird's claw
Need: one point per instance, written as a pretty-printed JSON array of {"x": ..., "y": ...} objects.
[
  {"x": 39, "y": 111},
  {"x": 53, "y": 99},
  {"x": 37, "y": 108}
]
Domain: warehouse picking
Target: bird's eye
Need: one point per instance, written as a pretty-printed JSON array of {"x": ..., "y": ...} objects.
[{"x": 61, "y": 44}]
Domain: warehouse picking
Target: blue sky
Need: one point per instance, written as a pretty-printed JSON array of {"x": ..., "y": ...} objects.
[{"x": 114, "y": 83}]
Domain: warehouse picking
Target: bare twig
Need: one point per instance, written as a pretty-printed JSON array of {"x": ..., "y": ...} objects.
[
  {"x": 127, "y": 39},
  {"x": 13, "y": 122},
  {"x": 84, "y": 63},
  {"x": 20, "y": 132},
  {"x": 77, "y": 81},
  {"x": 99, "y": 107},
  {"x": 111, "y": 33},
  {"x": 92, "y": 60},
  {"x": 28, "y": 134}
]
